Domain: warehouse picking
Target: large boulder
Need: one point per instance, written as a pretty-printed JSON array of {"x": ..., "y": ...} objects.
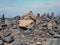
[{"x": 26, "y": 23}]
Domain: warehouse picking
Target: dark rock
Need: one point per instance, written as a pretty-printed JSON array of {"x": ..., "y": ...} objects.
[
  {"x": 56, "y": 36},
  {"x": 3, "y": 17},
  {"x": 51, "y": 33},
  {"x": 8, "y": 39}
]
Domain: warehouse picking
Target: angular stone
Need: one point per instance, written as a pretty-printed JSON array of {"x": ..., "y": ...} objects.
[
  {"x": 6, "y": 33},
  {"x": 8, "y": 39}
]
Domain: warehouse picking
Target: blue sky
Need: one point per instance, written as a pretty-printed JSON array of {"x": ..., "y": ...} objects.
[{"x": 13, "y": 8}]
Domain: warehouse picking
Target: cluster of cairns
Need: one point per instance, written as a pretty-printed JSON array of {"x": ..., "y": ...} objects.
[{"x": 42, "y": 26}]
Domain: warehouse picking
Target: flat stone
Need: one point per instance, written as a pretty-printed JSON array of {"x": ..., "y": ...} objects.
[{"x": 8, "y": 39}]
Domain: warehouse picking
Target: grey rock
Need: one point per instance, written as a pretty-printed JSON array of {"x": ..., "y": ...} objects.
[
  {"x": 8, "y": 39},
  {"x": 6, "y": 33},
  {"x": 1, "y": 41}
]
